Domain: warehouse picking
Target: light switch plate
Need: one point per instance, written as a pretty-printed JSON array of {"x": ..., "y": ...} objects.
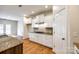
[{"x": 75, "y": 34}]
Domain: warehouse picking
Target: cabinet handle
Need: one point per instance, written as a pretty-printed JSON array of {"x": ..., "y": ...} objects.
[
  {"x": 54, "y": 32},
  {"x": 63, "y": 38}
]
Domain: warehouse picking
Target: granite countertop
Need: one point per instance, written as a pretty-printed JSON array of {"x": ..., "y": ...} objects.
[
  {"x": 76, "y": 44},
  {"x": 42, "y": 33},
  {"x": 8, "y": 42}
]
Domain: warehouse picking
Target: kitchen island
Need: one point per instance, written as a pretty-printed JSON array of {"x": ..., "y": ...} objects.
[{"x": 10, "y": 45}]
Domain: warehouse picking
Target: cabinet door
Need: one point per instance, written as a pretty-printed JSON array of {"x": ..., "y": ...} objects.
[
  {"x": 31, "y": 36},
  {"x": 41, "y": 39},
  {"x": 33, "y": 22},
  {"x": 60, "y": 41},
  {"x": 34, "y": 37},
  {"x": 48, "y": 40},
  {"x": 49, "y": 20},
  {"x": 27, "y": 20}
]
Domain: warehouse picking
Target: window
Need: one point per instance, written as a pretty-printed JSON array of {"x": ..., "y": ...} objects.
[
  {"x": 1, "y": 29},
  {"x": 8, "y": 29}
]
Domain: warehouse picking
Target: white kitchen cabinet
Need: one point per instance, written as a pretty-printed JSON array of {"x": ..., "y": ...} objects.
[
  {"x": 43, "y": 39},
  {"x": 49, "y": 20},
  {"x": 41, "y": 18},
  {"x": 48, "y": 40},
  {"x": 34, "y": 21},
  {"x": 46, "y": 21},
  {"x": 27, "y": 20},
  {"x": 32, "y": 37}
]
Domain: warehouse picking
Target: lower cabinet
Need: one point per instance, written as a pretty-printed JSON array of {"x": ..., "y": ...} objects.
[
  {"x": 44, "y": 39},
  {"x": 14, "y": 50}
]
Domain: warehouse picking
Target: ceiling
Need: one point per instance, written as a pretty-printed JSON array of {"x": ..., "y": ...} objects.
[{"x": 14, "y": 12}]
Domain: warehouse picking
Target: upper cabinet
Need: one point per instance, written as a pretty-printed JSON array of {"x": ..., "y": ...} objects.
[
  {"x": 42, "y": 20},
  {"x": 34, "y": 22},
  {"x": 49, "y": 20},
  {"x": 27, "y": 20}
]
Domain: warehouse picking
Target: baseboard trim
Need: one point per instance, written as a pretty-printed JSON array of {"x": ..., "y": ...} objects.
[
  {"x": 38, "y": 43},
  {"x": 25, "y": 38}
]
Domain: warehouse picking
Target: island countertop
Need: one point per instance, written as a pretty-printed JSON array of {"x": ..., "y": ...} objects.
[{"x": 7, "y": 42}]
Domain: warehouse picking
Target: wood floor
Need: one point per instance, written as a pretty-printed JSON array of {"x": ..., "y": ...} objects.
[{"x": 30, "y": 47}]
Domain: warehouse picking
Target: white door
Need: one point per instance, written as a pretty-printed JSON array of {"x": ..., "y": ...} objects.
[{"x": 60, "y": 41}]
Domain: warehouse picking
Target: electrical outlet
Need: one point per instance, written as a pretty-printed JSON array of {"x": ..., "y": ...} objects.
[{"x": 75, "y": 34}]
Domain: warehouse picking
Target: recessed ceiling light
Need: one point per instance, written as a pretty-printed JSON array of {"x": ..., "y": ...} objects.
[
  {"x": 46, "y": 6},
  {"x": 25, "y": 15},
  {"x": 55, "y": 7},
  {"x": 19, "y": 5},
  {"x": 37, "y": 17},
  {"x": 33, "y": 12}
]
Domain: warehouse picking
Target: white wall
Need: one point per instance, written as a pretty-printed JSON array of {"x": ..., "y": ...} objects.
[
  {"x": 13, "y": 25},
  {"x": 19, "y": 19},
  {"x": 9, "y": 17},
  {"x": 26, "y": 21},
  {"x": 20, "y": 27}
]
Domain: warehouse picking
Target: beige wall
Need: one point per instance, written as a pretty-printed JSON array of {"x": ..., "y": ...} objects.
[
  {"x": 25, "y": 32},
  {"x": 73, "y": 16},
  {"x": 73, "y": 25},
  {"x": 25, "y": 29}
]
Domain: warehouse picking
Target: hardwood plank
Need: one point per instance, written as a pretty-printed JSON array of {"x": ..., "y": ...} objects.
[{"x": 30, "y": 47}]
